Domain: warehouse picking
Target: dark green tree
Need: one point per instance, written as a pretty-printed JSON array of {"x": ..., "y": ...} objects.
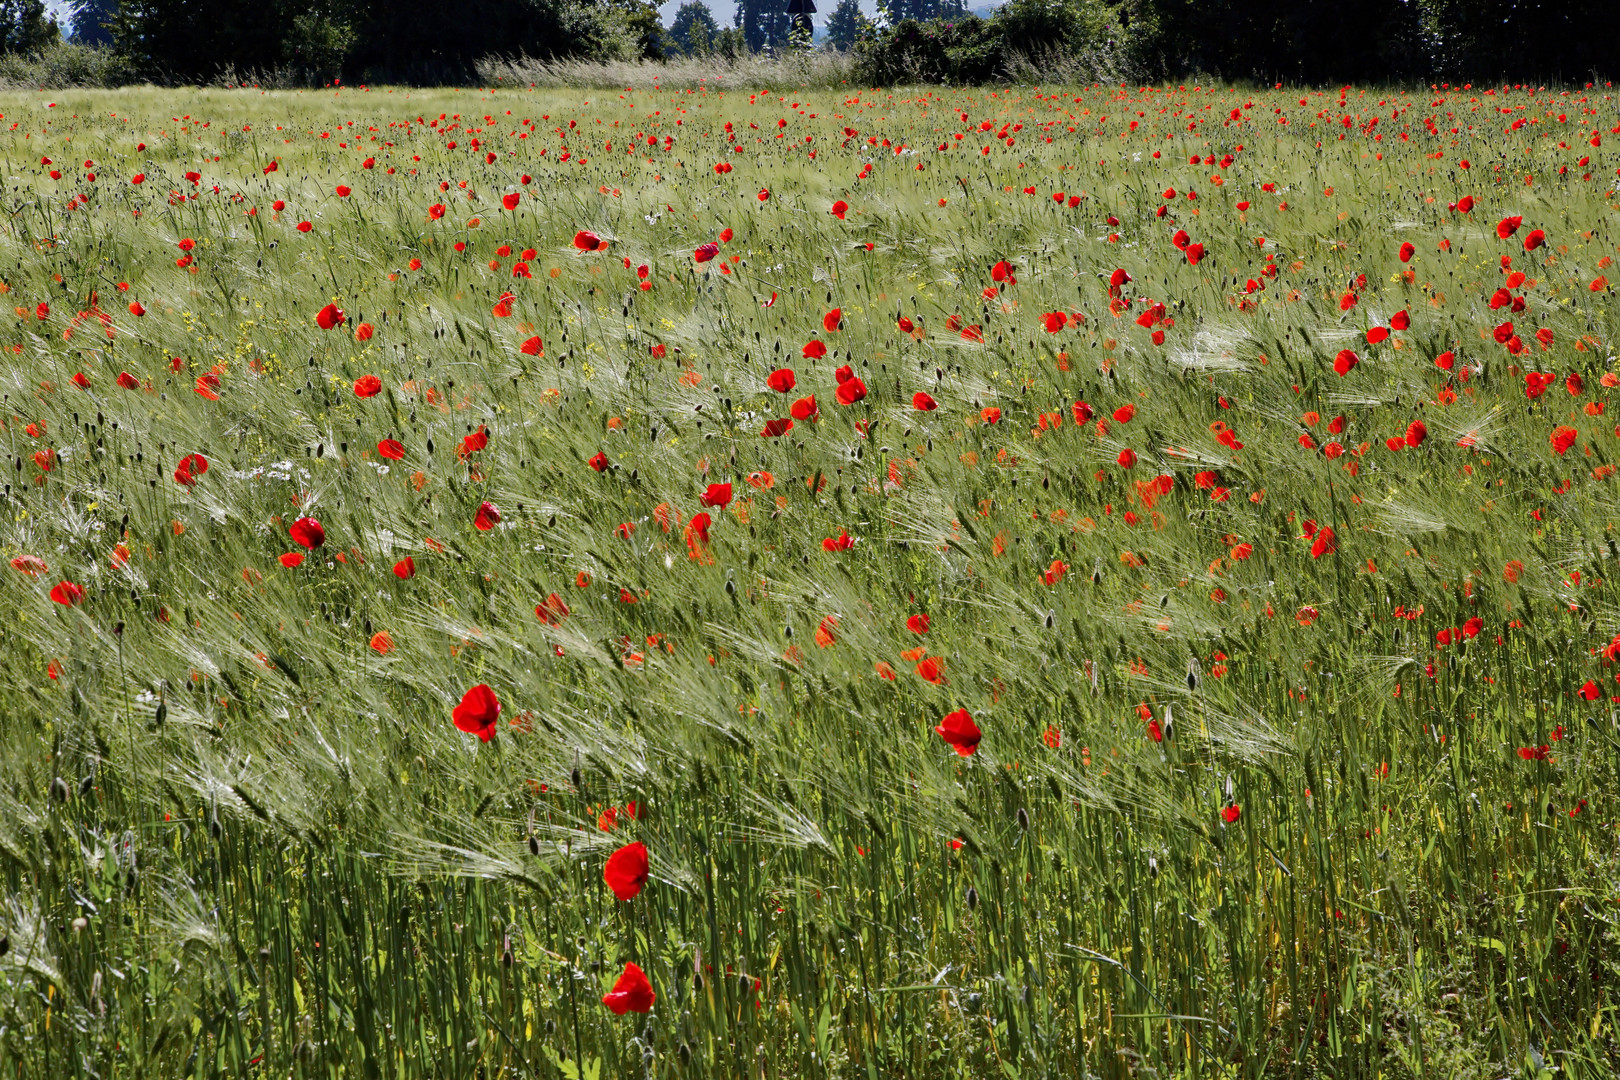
[
  {"x": 763, "y": 22},
  {"x": 25, "y": 26},
  {"x": 89, "y": 25},
  {"x": 693, "y": 30},
  {"x": 845, "y": 24}
]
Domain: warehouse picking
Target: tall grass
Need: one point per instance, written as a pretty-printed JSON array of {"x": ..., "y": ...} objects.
[
  {"x": 794, "y": 70},
  {"x": 241, "y": 835}
]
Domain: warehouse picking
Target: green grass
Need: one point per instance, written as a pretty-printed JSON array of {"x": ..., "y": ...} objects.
[{"x": 237, "y": 839}]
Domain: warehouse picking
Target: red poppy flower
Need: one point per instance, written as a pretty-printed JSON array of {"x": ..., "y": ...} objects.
[
  {"x": 906, "y": 325},
  {"x": 776, "y": 428},
  {"x": 477, "y": 713},
  {"x": 551, "y": 611},
  {"x": 329, "y": 317},
  {"x": 1324, "y": 543},
  {"x": 587, "y": 241},
  {"x": 781, "y": 380},
  {"x": 1126, "y": 458},
  {"x": 307, "y": 532},
  {"x": 599, "y": 462},
  {"x": 32, "y": 565},
  {"x": 839, "y": 209},
  {"x": 392, "y": 449},
  {"x": 191, "y": 466},
  {"x": 1407, "y": 251},
  {"x": 931, "y": 669},
  {"x": 804, "y": 408},
  {"x": 843, "y": 542},
  {"x": 487, "y": 518},
  {"x": 632, "y": 993},
  {"x": 960, "y": 731},
  {"x": 850, "y": 391},
  {"x": 716, "y": 495},
  {"x": 626, "y": 871},
  {"x": 367, "y": 386},
  {"x": 833, "y": 320},
  {"x": 1508, "y": 226},
  {"x": 1416, "y": 432},
  {"x": 405, "y": 569},
  {"x": 726, "y": 235},
  {"x": 1003, "y": 271},
  {"x": 1195, "y": 253},
  {"x": 917, "y": 624},
  {"x": 128, "y": 381},
  {"x": 292, "y": 560},
  {"x": 1562, "y": 439},
  {"x": 532, "y": 347},
  {"x": 814, "y": 350},
  {"x": 67, "y": 594},
  {"x": 1345, "y": 361},
  {"x": 1377, "y": 334},
  {"x": 923, "y": 402},
  {"x": 510, "y": 201},
  {"x": 706, "y": 252},
  {"x": 1231, "y": 813},
  {"x": 1535, "y": 239}
]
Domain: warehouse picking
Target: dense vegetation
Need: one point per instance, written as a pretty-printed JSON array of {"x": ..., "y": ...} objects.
[{"x": 1054, "y": 584}]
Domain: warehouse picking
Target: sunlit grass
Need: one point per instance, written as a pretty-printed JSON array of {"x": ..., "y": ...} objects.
[{"x": 1236, "y": 811}]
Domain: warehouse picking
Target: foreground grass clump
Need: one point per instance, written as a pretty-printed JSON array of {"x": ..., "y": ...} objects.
[{"x": 1094, "y": 583}]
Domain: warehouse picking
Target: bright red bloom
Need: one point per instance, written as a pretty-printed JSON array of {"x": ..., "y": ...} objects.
[
  {"x": 587, "y": 241},
  {"x": 307, "y": 532},
  {"x": 632, "y": 993},
  {"x": 814, "y": 350},
  {"x": 405, "y": 569},
  {"x": 1416, "y": 432},
  {"x": 367, "y": 386},
  {"x": 626, "y": 871},
  {"x": 510, "y": 201},
  {"x": 1231, "y": 813},
  {"x": 1345, "y": 361},
  {"x": 1400, "y": 320},
  {"x": 1508, "y": 226},
  {"x": 776, "y": 428},
  {"x": 487, "y": 518},
  {"x": 1562, "y": 439},
  {"x": 1535, "y": 239},
  {"x": 292, "y": 560},
  {"x": 833, "y": 320},
  {"x": 191, "y": 466},
  {"x": 551, "y": 611},
  {"x": 923, "y": 402},
  {"x": 392, "y": 449},
  {"x": 329, "y": 317},
  {"x": 1407, "y": 251},
  {"x": 782, "y": 380},
  {"x": 850, "y": 391},
  {"x": 804, "y": 408},
  {"x": 716, "y": 495},
  {"x": 917, "y": 624},
  {"x": 960, "y": 731},
  {"x": 839, "y": 209},
  {"x": 1324, "y": 543},
  {"x": 67, "y": 594},
  {"x": 1126, "y": 458},
  {"x": 599, "y": 462},
  {"x": 706, "y": 252},
  {"x": 478, "y": 712},
  {"x": 532, "y": 347}
]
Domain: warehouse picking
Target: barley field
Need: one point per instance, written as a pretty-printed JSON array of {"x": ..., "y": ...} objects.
[{"x": 1014, "y": 582}]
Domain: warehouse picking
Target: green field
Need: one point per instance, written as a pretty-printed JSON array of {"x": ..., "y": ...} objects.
[{"x": 1097, "y": 582}]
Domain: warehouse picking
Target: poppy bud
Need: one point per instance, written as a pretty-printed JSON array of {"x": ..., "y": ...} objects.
[
  {"x": 534, "y": 844},
  {"x": 60, "y": 790},
  {"x": 972, "y": 898},
  {"x": 1023, "y": 819}
]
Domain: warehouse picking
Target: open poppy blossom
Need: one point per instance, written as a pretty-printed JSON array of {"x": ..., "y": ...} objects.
[
  {"x": 923, "y": 402},
  {"x": 782, "y": 380},
  {"x": 716, "y": 495},
  {"x": 307, "y": 532},
  {"x": 487, "y": 518},
  {"x": 190, "y": 467},
  {"x": 367, "y": 386},
  {"x": 850, "y": 391},
  {"x": 632, "y": 993},
  {"x": 585, "y": 240},
  {"x": 392, "y": 449},
  {"x": 329, "y": 317},
  {"x": 67, "y": 593},
  {"x": 960, "y": 731},
  {"x": 405, "y": 569},
  {"x": 626, "y": 871},
  {"x": 477, "y": 713},
  {"x": 705, "y": 252}
]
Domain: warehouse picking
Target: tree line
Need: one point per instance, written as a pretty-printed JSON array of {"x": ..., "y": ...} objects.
[{"x": 417, "y": 41}]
